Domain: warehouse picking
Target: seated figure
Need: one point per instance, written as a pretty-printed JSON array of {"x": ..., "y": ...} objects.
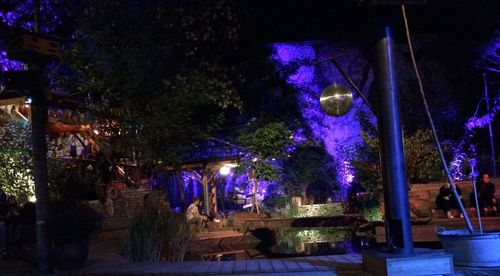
[
  {"x": 446, "y": 199},
  {"x": 485, "y": 196},
  {"x": 193, "y": 214}
]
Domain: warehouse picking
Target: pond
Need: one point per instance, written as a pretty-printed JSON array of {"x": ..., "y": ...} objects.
[{"x": 288, "y": 242}]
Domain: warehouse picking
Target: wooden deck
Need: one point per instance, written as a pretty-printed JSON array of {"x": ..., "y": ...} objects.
[
  {"x": 319, "y": 265},
  {"x": 304, "y": 266},
  {"x": 425, "y": 232},
  {"x": 220, "y": 234},
  {"x": 223, "y": 238}
]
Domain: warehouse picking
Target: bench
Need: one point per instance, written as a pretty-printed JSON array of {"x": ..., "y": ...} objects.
[{"x": 423, "y": 197}]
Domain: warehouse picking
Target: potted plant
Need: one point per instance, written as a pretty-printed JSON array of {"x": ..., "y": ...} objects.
[{"x": 70, "y": 227}]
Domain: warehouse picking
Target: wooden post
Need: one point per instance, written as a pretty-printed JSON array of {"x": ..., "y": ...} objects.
[
  {"x": 178, "y": 181},
  {"x": 204, "y": 182}
]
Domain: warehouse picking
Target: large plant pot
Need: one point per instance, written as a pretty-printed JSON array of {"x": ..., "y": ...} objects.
[
  {"x": 472, "y": 250},
  {"x": 72, "y": 255}
]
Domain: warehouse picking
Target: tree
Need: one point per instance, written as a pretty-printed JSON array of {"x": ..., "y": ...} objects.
[
  {"x": 267, "y": 146},
  {"x": 156, "y": 75},
  {"x": 309, "y": 165},
  {"x": 422, "y": 160}
]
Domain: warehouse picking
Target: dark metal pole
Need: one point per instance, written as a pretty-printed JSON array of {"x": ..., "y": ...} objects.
[
  {"x": 38, "y": 125},
  {"x": 38, "y": 132},
  {"x": 397, "y": 211},
  {"x": 492, "y": 144}
]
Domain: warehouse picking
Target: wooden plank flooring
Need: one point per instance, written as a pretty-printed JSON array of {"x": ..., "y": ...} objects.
[
  {"x": 307, "y": 265},
  {"x": 425, "y": 232},
  {"x": 350, "y": 264}
]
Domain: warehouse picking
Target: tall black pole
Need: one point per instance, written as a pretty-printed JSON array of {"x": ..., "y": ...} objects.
[
  {"x": 397, "y": 212},
  {"x": 38, "y": 132},
  {"x": 38, "y": 125},
  {"x": 492, "y": 144}
]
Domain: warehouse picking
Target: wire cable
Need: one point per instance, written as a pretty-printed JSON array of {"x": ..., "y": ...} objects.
[{"x": 431, "y": 121}]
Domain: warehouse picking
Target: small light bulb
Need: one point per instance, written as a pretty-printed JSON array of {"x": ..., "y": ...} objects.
[{"x": 225, "y": 170}]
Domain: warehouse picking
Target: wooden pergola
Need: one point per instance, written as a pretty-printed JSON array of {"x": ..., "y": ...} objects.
[{"x": 204, "y": 172}]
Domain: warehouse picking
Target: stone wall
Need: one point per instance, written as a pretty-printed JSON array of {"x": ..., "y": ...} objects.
[{"x": 321, "y": 210}]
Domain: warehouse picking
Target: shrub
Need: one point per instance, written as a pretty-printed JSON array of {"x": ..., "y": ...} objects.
[
  {"x": 156, "y": 233},
  {"x": 72, "y": 221}
]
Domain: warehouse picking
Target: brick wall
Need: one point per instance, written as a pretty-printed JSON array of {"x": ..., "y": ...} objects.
[{"x": 117, "y": 212}]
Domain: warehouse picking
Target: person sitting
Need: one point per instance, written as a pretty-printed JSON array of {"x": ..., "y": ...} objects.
[
  {"x": 485, "y": 196},
  {"x": 193, "y": 214},
  {"x": 454, "y": 202},
  {"x": 446, "y": 200}
]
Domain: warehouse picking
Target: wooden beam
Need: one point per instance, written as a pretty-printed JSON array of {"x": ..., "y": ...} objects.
[
  {"x": 200, "y": 165},
  {"x": 16, "y": 101}
]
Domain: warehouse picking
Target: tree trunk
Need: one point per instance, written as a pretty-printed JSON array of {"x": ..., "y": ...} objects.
[
  {"x": 214, "y": 202},
  {"x": 254, "y": 196}
]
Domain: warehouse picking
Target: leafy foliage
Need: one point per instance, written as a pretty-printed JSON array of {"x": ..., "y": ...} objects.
[
  {"x": 267, "y": 144},
  {"x": 157, "y": 74},
  {"x": 71, "y": 181},
  {"x": 422, "y": 161},
  {"x": 66, "y": 180},
  {"x": 308, "y": 164},
  {"x": 16, "y": 161}
]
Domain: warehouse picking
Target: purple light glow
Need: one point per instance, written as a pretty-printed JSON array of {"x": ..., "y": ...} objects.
[
  {"x": 480, "y": 122},
  {"x": 287, "y": 53},
  {"x": 461, "y": 154},
  {"x": 490, "y": 59},
  {"x": 338, "y": 134},
  {"x": 304, "y": 75},
  {"x": 8, "y": 65},
  {"x": 241, "y": 183},
  {"x": 21, "y": 15}
]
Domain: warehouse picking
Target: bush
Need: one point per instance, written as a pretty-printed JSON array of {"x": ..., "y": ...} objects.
[
  {"x": 72, "y": 221},
  {"x": 156, "y": 234},
  {"x": 372, "y": 213}
]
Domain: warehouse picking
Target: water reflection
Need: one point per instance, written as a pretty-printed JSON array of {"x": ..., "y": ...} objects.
[
  {"x": 290, "y": 242},
  {"x": 317, "y": 241}
]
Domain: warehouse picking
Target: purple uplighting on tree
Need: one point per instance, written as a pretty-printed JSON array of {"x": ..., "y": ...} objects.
[
  {"x": 9, "y": 65},
  {"x": 339, "y": 135}
]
